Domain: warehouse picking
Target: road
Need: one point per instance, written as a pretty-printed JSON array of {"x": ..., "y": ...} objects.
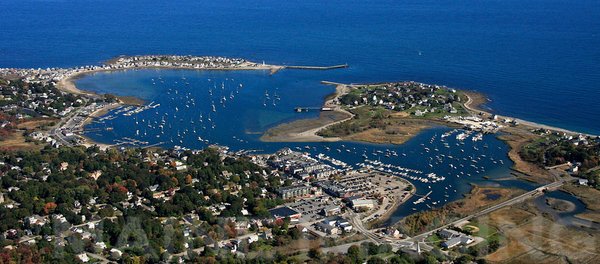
[
  {"x": 65, "y": 122},
  {"x": 411, "y": 242},
  {"x": 358, "y": 225},
  {"x": 528, "y": 195}
]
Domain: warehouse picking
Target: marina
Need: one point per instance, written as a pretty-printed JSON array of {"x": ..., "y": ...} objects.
[{"x": 200, "y": 108}]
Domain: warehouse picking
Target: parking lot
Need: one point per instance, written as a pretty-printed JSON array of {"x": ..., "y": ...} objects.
[{"x": 311, "y": 208}]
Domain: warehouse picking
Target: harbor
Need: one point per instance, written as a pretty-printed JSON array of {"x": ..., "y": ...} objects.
[{"x": 197, "y": 108}]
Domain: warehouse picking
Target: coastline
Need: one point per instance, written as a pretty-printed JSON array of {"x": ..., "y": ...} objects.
[
  {"x": 406, "y": 128},
  {"x": 306, "y": 130},
  {"x": 296, "y": 131},
  {"x": 515, "y": 137},
  {"x": 67, "y": 84},
  {"x": 88, "y": 142},
  {"x": 385, "y": 217},
  {"x": 475, "y": 100}
]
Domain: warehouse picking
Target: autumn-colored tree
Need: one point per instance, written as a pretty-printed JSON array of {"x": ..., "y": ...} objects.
[
  {"x": 230, "y": 229},
  {"x": 49, "y": 207}
]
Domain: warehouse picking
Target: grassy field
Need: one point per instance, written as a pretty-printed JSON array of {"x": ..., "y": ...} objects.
[
  {"x": 516, "y": 139},
  {"x": 377, "y": 125},
  {"x": 16, "y": 141},
  {"x": 531, "y": 237}
]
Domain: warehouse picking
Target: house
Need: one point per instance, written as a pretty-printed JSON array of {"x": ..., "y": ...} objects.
[
  {"x": 448, "y": 234},
  {"x": 363, "y": 204},
  {"x": 99, "y": 247},
  {"x": 242, "y": 226},
  {"x": 327, "y": 228},
  {"x": 63, "y": 166},
  {"x": 36, "y": 220},
  {"x": 267, "y": 234},
  {"x": 252, "y": 238},
  {"x": 283, "y": 212},
  {"x": 335, "y": 224},
  {"x": 461, "y": 240},
  {"x": 583, "y": 182},
  {"x": 574, "y": 170},
  {"x": 331, "y": 210},
  {"x": 346, "y": 227},
  {"x": 393, "y": 232},
  {"x": 96, "y": 174},
  {"x": 83, "y": 257},
  {"x": 330, "y": 221}
]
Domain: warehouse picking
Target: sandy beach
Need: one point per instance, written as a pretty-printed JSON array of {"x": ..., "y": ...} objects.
[{"x": 67, "y": 84}]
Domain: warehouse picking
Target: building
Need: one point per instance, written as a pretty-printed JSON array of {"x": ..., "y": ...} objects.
[
  {"x": 448, "y": 234},
  {"x": 331, "y": 210},
  {"x": 363, "y": 204},
  {"x": 294, "y": 191},
  {"x": 327, "y": 228},
  {"x": 115, "y": 254},
  {"x": 333, "y": 225},
  {"x": 83, "y": 257},
  {"x": 283, "y": 212},
  {"x": 461, "y": 240}
]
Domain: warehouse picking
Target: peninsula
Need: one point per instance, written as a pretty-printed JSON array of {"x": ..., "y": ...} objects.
[{"x": 395, "y": 112}]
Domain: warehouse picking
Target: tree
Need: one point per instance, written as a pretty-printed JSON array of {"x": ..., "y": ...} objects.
[
  {"x": 355, "y": 254},
  {"x": 376, "y": 260},
  {"x": 315, "y": 253},
  {"x": 401, "y": 259},
  {"x": 430, "y": 259}
]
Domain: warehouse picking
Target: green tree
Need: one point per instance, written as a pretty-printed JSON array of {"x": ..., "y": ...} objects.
[{"x": 355, "y": 254}]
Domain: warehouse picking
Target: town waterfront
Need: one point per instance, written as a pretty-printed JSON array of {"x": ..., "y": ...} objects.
[{"x": 246, "y": 103}]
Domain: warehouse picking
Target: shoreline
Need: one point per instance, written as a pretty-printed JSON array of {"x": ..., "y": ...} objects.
[
  {"x": 385, "y": 217},
  {"x": 512, "y": 135},
  {"x": 515, "y": 137},
  {"x": 336, "y": 115},
  {"x": 67, "y": 84},
  {"x": 295, "y": 131},
  {"x": 474, "y": 103}
]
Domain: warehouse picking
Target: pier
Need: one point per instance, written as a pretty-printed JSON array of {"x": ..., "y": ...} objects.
[
  {"x": 300, "y": 109},
  {"x": 317, "y": 67},
  {"x": 275, "y": 69}
]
